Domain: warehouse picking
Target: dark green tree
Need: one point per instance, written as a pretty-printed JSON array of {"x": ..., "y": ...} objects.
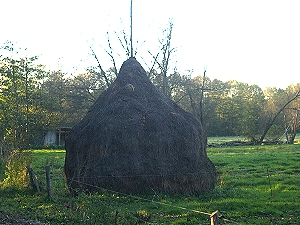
[
  {"x": 19, "y": 89},
  {"x": 82, "y": 91}
]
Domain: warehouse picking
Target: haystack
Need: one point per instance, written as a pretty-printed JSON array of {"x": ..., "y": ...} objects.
[{"x": 134, "y": 140}]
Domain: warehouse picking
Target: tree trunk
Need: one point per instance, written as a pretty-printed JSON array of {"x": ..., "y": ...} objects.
[
  {"x": 192, "y": 102},
  {"x": 201, "y": 99},
  {"x": 269, "y": 124}
]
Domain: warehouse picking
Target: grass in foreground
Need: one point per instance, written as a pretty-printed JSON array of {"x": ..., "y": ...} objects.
[{"x": 257, "y": 185}]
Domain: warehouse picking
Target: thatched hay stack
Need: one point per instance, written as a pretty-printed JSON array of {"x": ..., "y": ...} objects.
[{"x": 134, "y": 139}]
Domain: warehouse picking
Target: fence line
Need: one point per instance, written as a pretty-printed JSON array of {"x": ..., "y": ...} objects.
[
  {"x": 147, "y": 175},
  {"x": 144, "y": 199},
  {"x": 213, "y": 215},
  {"x": 249, "y": 171}
]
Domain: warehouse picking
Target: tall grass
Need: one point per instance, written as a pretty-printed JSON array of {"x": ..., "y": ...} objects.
[{"x": 256, "y": 185}]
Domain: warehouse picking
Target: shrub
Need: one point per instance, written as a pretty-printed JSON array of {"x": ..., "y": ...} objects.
[{"x": 16, "y": 171}]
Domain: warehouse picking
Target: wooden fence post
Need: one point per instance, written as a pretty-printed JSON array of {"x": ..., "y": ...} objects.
[
  {"x": 48, "y": 180},
  {"x": 214, "y": 218},
  {"x": 33, "y": 179}
]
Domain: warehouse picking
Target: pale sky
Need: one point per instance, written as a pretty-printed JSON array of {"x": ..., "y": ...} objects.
[{"x": 257, "y": 41}]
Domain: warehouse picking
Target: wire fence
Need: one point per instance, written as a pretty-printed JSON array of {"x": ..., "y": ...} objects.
[
  {"x": 58, "y": 187},
  {"x": 56, "y": 184}
]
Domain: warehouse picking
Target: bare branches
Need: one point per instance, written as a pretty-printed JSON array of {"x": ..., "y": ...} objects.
[
  {"x": 125, "y": 45},
  {"x": 110, "y": 53},
  {"x": 87, "y": 88},
  {"x": 167, "y": 50},
  {"x": 270, "y": 123},
  {"x": 201, "y": 97},
  {"x": 163, "y": 63},
  {"x": 100, "y": 67},
  {"x": 154, "y": 62}
]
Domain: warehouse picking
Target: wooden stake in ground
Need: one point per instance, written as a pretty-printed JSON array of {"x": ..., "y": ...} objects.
[
  {"x": 214, "y": 218},
  {"x": 48, "y": 180},
  {"x": 33, "y": 179}
]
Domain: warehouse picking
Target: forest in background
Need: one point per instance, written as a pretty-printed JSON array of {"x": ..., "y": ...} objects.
[{"x": 34, "y": 100}]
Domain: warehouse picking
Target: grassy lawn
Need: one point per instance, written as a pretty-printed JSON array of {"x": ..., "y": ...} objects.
[
  {"x": 256, "y": 185},
  {"x": 220, "y": 140}
]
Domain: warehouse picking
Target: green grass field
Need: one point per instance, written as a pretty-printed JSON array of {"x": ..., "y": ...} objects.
[
  {"x": 256, "y": 185},
  {"x": 224, "y": 139}
]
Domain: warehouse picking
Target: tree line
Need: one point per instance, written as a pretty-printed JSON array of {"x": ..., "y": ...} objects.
[{"x": 34, "y": 100}]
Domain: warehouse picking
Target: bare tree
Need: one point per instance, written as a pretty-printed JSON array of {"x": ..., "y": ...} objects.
[
  {"x": 271, "y": 121},
  {"x": 102, "y": 72},
  {"x": 292, "y": 124},
  {"x": 292, "y": 116},
  {"x": 162, "y": 59},
  {"x": 192, "y": 101},
  {"x": 110, "y": 53},
  {"x": 124, "y": 43},
  {"x": 201, "y": 98}
]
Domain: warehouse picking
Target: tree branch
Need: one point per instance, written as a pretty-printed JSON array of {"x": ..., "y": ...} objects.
[
  {"x": 269, "y": 124},
  {"x": 100, "y": 67}
]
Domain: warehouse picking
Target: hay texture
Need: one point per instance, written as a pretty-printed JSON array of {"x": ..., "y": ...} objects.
[{"x": 136, "y": 140}]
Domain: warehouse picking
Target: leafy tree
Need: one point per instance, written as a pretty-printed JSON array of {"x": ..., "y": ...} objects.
[
  {"x": 227, "y": 111},
  {"x": 292, "y": 114},
  {"x": 52, "y": 100},
  {"x": 249, "y": 100},
  {"x": 210, "y": 93},
  {"x": 19, "y": 82},
  {"x": 232, "y": 108},
  {"x": 274, "y": 98},
  {"x": 82, "y": 91},
  {"x": 280, "y": 100},
  {"x": 215, "y": 125}
]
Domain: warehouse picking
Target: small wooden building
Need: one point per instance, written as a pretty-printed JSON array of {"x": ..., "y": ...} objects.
[{"x": 56, "y": 137}]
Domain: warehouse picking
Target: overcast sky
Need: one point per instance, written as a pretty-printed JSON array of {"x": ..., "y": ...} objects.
[{"x": 257, "y": 41}]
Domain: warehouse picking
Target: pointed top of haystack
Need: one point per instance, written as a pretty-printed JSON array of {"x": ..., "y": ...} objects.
[
  {"x": 131, "y": 72},
  {"x": 131, "y": 64},
  {"x": 135, "y": 139}
]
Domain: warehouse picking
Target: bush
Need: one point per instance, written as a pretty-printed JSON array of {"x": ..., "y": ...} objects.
[{"x": 16, "y": 171}]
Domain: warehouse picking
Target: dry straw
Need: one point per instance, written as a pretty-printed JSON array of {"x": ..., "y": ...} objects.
[{"x": 134, "y": 139}]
